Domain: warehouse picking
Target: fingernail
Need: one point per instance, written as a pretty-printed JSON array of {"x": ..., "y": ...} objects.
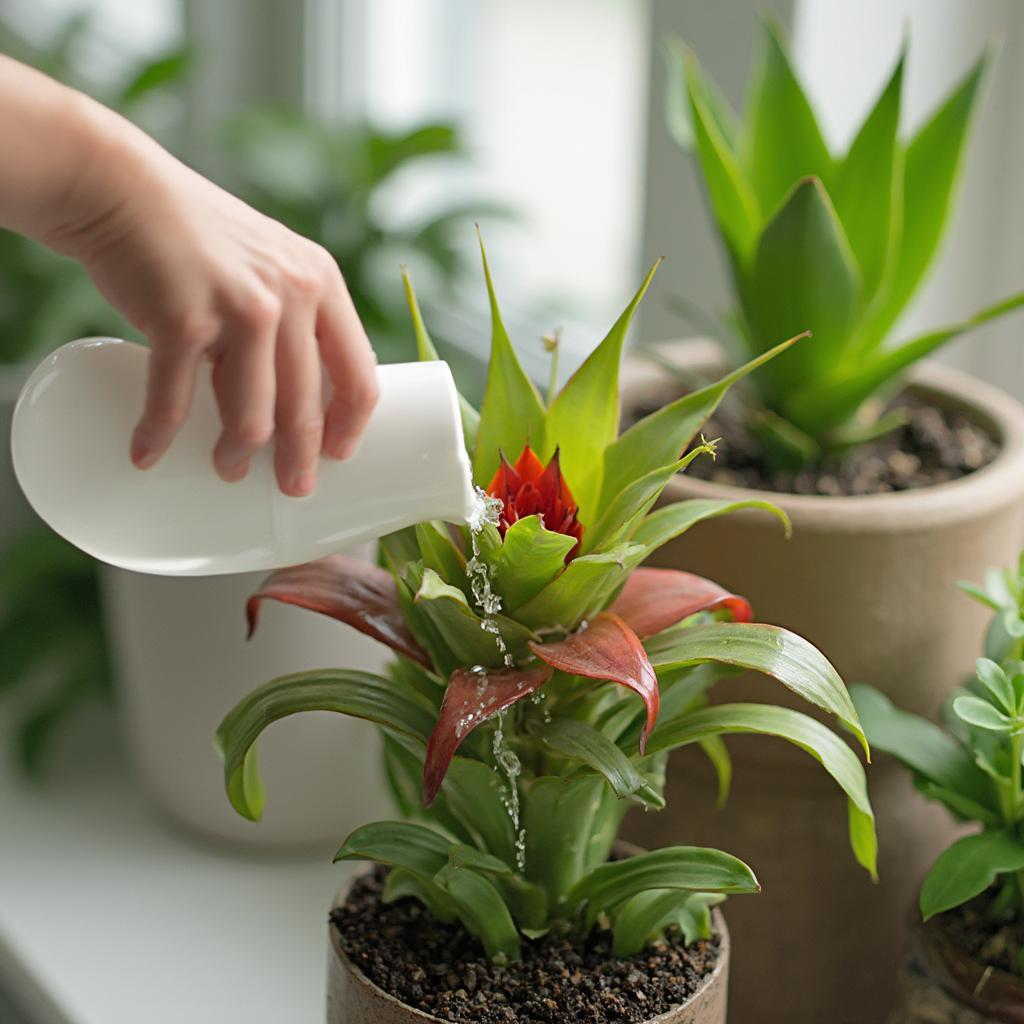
[
  {"x": 236, "y": 472},
  {"x": 143, "y": 455},
  {"x": 303, "y": 484}
]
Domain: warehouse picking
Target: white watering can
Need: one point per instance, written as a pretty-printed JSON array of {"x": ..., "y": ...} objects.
[{"x": 70, "y": 437}]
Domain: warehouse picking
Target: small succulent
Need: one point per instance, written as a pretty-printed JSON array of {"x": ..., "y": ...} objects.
[
  {"x": 973, "y": 767},
  {"x": 833, "y": 243},
  {"x": 514, "y": 739}
]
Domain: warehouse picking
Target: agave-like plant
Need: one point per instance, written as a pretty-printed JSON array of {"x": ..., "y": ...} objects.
[
  {"x": 834, "y": 243},
  {"x": 513, "y": 739}
]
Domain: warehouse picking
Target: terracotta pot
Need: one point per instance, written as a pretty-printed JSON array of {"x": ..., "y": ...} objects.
[
  {"x": 353, "y": 999},
  {"x": 940, "y": 983},
  {"x": 871, "y": 581}
]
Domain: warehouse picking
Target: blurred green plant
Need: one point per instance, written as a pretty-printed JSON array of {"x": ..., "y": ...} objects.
[
  {"x": 46, "y": 299},
  {"x": 335, "y": 183},
  {"x": 833, "y": 243},
  {"x": 975, "y": 768},
  {"x": 54, "y": 657}
]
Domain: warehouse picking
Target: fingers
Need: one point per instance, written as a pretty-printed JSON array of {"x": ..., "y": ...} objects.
[
  {"x": 171, "y": 381},
  {"x": 243, "y": 381},
  {"x": 351, "y": 365},
  {"x": 299, "y": 421}
]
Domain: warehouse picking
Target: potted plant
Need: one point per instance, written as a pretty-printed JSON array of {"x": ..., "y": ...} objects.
[
  {"x": 967, "y": 960},
  {"x": 514, "y": 740},
  {"x": 908, "y": 480}
]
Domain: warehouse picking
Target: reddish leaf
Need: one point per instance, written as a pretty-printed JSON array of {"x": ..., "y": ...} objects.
[
  {"x": 654, "y": 599},
  {"x": 608, "y": 649},
  {"x": 473, "y": 697},
  {"x": 347, "y": 589}
]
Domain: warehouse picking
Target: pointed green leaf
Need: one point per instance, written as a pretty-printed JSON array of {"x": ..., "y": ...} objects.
[
  {"x": 674, "y": 520},
  {"x": 931, "y": 172},
  {"x": 402, "y": 884},
  {"x": 834, "y": 399},
  {"x": 729, "y": 192},
  {"x": 967, "y": 869},
  {"x": 463, "y": 629},
  {"x": 402, "y": 844},
  {"x": 647, "y": 914},
  {"x": 919, "y": 744},
  {"x": 863, "y": 190},
  {"x": 426, "y": 353},
  {"x": 482, "y": 910},
  {"x": 583, "y": 589},
  {"x": 359, "y": 694},
  {"x": 474, "y": 794},
  {"x": 584, "y": 417},
  {"x": 439, "y": 553},
  {"x": 529, "y": 559},
  {"x": 678, "y": 115},
  {"x": 775, "y": 651},
  {"x": 692, "y": 868},
  {"x": 996, "y": 682},
  {"x": 980, "y": 713},
  {"x": 803, "y": 278},
  {"x": 717, "y": 753},
  {"x": 582, "y": 742},
  {"x": 782, "y": 142},
  {"x": 664, "y": 435},
  {"x": 805, "y": 732},
  {"x": 512, "y": 413}
]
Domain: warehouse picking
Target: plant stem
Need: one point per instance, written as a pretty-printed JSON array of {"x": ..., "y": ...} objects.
[{"x": 552, "y": 344}]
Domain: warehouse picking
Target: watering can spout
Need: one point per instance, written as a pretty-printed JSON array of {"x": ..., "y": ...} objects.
[{"x": 69, "y": 443}]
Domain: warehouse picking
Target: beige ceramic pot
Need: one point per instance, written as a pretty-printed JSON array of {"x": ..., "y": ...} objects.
[
  {"x": 872, "y": 582},
  {"x": 941, "y": 984},
  {"x": 353, "y": 999}
]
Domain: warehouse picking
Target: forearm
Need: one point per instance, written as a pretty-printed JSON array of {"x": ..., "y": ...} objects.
[{"x": 68, "y": 161}]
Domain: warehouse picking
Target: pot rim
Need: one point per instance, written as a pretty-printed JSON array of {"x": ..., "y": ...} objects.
[
  {"x": 356, "y": 972},
  {"x": 971, "y": 496}
]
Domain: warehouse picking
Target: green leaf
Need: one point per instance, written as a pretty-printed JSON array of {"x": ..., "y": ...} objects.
[
  {"x": 402, "y": 884},
  {"x": 584, "y": 418},
  {"x": 968, "y": 868},
  {"x": 512, "y": 413},
  {"x": 582, "y": 742},
  {"x": 919, "y": 744},
  {"x": 994, "y": 679},
  {"x": 674, "y": 520},
  {"x": 931, "y": 172},
  {"x": 427, "y": 353},
  {"x": 677, "y": 104},
  {"x": 830, "y": 401},
  {"x": 440, "y": 554},
  {"x": 166, "y": 70},
  {"x": 730, "y": 194},
  {"x": 402, "y": 844},
  {"x": 580, "y": 818},
  {"x": 782, "y": 141},
  {"x": 718, "y": 754},
  {"x": 692, "y": 868},
  {"x": 977, "y": 712},
  {"x": 527, "y": 902},
  {"x": 803, "y": 278},
  {"x": 529, "y": 559},
  {"x": 863, "y": 189},
  {"x": 447, "y": 608},
  {"x": 483, "y": 912},
  {"x": 661, "y": 437},
  {"x": 799, "y": 729},
  {"x": 473, "y": 793},
  {"x": 647, "y": 914},
  {"x": 359, "y": 694},
  {"x": 775, "y": 651},
  {"x": 583, "y": 589}
]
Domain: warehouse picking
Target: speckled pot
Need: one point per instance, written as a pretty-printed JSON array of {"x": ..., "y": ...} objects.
[
  {"x": 353, "y": 999},
  {"x": 941, "y": 984},
  {"x": 872, "y": 582}
]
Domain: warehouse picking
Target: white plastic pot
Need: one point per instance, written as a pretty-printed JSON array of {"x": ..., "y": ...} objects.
[{"x": 181, "y": 661}]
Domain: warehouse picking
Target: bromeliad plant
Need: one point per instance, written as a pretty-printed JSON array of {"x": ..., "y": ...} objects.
[
  {"x": 513, "y": 738},
  {"x": 974, "y": 768},
  {"x": 816, "y": 240}
]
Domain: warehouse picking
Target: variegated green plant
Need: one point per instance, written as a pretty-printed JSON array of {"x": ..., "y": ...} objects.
[
  {"x": 834, "y": 243},
  {"x": 512, "y": 753},
  {"x": 975, "y": 767}
]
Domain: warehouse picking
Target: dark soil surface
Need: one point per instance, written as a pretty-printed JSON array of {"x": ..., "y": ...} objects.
[
  {"x": 988, "y": 938},
  {"x": 441, "y": 970},
  {"x": 933, "y": 447}
]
